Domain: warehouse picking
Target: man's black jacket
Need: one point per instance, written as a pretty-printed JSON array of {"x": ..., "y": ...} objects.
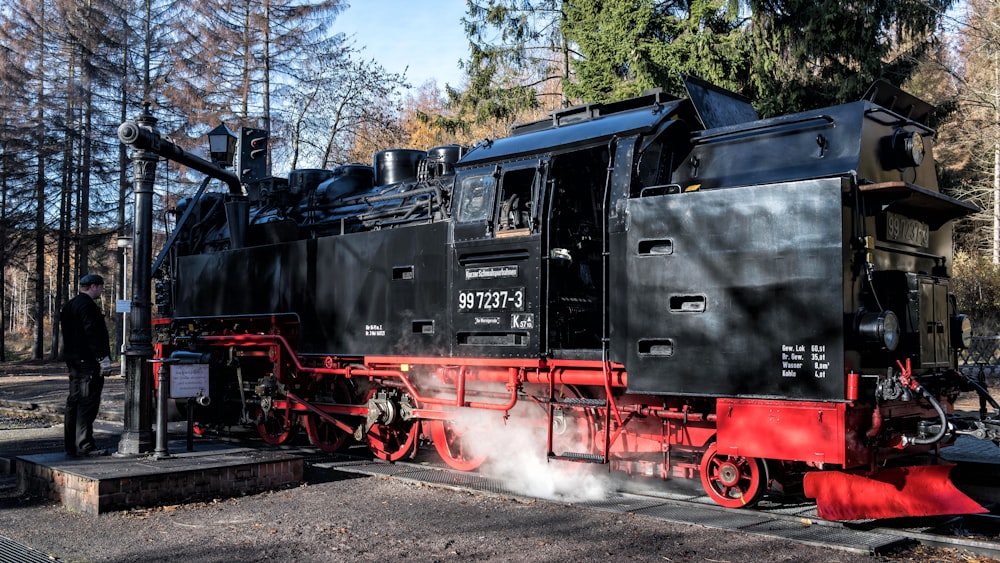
[{"x": 85, "y": 336}]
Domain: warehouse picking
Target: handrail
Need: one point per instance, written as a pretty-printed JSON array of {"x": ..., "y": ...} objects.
[{"x": 458, "y": 401}]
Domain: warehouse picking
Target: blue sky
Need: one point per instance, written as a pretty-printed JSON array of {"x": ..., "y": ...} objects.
[{"x": 424, "y": 37}]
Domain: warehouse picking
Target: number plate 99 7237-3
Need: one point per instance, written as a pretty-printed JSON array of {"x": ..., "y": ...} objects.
[
  {"x": 486, "y": 300},
  {"x": 897, "y": 228}
]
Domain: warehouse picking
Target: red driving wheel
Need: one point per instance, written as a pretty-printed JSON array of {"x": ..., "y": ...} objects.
[
  {"x": 274, "y": 427},
  {"x": 453, "y": 447},
  {"x": 324, "y": 434},
  {"x": 392, "y": 442},
  {"x": 395, "y": 440}
]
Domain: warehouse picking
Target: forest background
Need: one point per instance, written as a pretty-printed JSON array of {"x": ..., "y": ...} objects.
[{"x": 72, "y": 70}]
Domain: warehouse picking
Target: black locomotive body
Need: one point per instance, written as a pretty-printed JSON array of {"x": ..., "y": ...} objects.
[{"x": 676, "y": 286}]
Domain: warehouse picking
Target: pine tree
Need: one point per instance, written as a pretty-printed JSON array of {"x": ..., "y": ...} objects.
[
  {"x": 625, "y": 47},
  {"x": 15, "y": 197},
  {"x": 807, "y": 54},
  {"x": 517, "y": 47}
]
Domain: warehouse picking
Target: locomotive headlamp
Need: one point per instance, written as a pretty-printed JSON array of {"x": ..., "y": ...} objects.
[
  {"x": 961, "y": 332},
  {"x": 222, "y": 145},
  {"x": 880, "y": 328},
  {"x": 913, "y": 145},
  {"x": 902, "y": 149}
]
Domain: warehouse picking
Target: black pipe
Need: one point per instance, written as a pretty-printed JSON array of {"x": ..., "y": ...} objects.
[
  {"x": 190, "y": 424},
  {"x": 180, "y": 226},
  {"x": 141, "y": 138},
  {"x": 982, "y": 392}
]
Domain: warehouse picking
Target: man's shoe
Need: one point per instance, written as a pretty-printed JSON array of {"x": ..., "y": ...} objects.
[{"x": 93, "y": 453}]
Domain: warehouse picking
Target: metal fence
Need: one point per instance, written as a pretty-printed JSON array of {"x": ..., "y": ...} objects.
[{"x": 983, "y": 356}]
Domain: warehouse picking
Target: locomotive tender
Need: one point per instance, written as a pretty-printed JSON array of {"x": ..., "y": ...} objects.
[{"x": 678, "y": 288}]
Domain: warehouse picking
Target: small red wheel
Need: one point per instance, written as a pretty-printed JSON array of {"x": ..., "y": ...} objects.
[
  {"x": 451, "y": 444},
  {"x": 733, "y": 481},
  {"x": 325, "y": 435},
  {"x": 273, "y": 427}
]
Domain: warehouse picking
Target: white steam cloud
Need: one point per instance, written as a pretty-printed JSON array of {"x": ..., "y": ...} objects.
[{"x": 516, "y": 451}]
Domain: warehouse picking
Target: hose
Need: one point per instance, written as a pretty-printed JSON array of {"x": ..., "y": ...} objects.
[
  {"x": 908, "y": 381},
  {"x": 941, "y": 415}
]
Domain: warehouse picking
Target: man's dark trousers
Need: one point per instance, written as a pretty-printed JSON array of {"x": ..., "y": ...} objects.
[{"x": 85, "y": 386}]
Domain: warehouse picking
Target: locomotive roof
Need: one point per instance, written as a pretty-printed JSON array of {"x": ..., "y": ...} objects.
[{"x": 581, "y": 126}]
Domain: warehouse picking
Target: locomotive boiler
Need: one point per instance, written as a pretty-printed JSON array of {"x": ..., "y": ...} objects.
[{"x": 676, "y": 288}]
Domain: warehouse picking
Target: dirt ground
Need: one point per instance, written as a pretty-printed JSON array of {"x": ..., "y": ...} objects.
[{"x": 339, "y": 517}]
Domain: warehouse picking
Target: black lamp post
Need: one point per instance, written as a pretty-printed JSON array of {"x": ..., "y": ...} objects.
[{"x": 222, "y": 146}]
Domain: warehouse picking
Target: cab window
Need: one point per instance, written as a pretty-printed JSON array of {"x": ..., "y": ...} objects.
[
  {"x": 477, "y": 199},
  {"x": 515, "y": 209}
]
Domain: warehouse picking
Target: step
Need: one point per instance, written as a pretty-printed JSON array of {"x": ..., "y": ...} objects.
[
  {"x": 582, "y": 403},
  {"x": 578, "y": 457}
]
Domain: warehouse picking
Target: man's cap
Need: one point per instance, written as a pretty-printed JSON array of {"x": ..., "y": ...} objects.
[{"x": 91, "y": 279}]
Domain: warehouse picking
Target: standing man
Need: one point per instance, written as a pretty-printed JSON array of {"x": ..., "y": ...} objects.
[{"x": 87, "y": 351}]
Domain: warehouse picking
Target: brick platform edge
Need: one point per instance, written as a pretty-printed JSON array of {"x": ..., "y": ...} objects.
[{"x": 109, "y": 484}]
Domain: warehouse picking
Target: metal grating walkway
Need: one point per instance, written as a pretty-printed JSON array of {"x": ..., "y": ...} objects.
[
  {"x": 437, "y": 476},
  {"x": 13, "y": 552},
  {"x": 795, "y": 523}
]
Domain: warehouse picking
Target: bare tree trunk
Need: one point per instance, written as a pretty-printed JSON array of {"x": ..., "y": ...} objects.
[
  {"x": 123, "y": 162},
  {"x": 3, "y": 249},
  {"x": 565, "y": 52},
  {"x": 86, "y": 163},
  {"x": 996, "y": 202},
  {"x": 247, "y": 59},
  {"x": 147, "y": 52},
  {"x": 65, "y": 206},
  {"x": 267, "y": 76},
  {"x": 996, "y": 162},
  {"x": 40, "y": 198},
  {"x": 86, "y": 110}
]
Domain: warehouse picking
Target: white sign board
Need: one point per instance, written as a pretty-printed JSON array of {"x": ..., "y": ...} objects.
[
  {"x": 123, "y": 306},
  {"x": 188, "y": 380}
]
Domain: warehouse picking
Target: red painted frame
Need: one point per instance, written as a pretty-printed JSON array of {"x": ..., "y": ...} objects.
[{"x": 812, "y": 432}]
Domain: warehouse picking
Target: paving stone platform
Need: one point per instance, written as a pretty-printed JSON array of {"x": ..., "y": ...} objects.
[{"x": 105, "y": 484}]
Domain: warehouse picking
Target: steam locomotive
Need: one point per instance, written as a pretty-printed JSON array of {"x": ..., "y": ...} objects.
[{"x": 674, "y": 286}]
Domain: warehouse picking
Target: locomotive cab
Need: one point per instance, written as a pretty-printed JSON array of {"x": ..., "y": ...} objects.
[
  {"x": 529, "y": 236},
  {"x": 527, "y": 255}
]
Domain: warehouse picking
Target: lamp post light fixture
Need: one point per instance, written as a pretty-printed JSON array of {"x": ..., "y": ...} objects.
[{"x": 222, "y": 145}]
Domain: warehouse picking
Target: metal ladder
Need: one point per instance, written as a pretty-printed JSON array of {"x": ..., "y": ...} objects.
[{"x": 565, "y": 403}]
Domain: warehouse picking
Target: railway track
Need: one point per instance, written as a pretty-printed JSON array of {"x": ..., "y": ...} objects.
[{"x": 974, "y": 535}]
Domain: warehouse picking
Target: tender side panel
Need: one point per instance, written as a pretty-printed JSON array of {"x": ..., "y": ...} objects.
[
  {"x": 379, "y": 293},
  {"x": 736, "y": 292}
]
